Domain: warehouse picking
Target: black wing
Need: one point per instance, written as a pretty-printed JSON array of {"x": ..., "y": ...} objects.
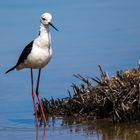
[
  {"x": 23, "y": 56},
  {"x": 25, "y": 53}
]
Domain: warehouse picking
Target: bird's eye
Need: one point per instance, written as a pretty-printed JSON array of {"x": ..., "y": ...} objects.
[{"x": 43, "y": 18}]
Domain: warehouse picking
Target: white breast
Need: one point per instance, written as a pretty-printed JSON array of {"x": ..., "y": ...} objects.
[
  {"x": 39, "y": 57},
  {"x": 41, "y": 52}
]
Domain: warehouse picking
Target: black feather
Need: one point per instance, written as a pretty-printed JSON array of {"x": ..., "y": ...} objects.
[
  {"x": 23, "y": 56},
  {"x": 10, "y": 69}
]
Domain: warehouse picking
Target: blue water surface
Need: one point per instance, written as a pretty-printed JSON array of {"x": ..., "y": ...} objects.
[{"x": 105, "y": 32}]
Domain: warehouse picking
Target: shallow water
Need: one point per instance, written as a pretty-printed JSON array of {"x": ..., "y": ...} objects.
[
  {"x": 91, "y": 32},
  {"x": 67, "y": 129}
]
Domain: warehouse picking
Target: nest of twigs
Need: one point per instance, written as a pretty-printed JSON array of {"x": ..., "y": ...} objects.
[{"x": 117, "y": 98}]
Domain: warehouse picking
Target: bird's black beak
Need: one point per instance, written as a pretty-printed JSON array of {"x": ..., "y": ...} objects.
[{"x": 53, "y": 26}]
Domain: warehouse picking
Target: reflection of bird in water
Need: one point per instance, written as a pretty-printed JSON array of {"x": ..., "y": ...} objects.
[
  {"x": 43, "y": 133},
  {"x": 36, "y": 55}
]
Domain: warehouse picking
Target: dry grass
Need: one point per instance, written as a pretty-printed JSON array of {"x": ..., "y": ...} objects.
[{"x": 117, "y": 98}]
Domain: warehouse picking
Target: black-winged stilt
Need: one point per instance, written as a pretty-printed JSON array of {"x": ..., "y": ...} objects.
[{"x": 36, "y": 55}]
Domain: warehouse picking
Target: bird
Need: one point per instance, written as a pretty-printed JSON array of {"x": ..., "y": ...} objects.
[{"x": 36, "y": 55}]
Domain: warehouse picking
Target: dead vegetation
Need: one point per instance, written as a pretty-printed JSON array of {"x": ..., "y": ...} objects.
[{"x": 117, "y": 98}]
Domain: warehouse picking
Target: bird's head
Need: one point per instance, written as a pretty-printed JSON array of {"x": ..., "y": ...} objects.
[{"x": 46, "y": 19}]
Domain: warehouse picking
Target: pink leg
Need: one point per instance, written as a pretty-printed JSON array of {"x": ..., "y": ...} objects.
[
  {"x": 44, "y": 134},
  {"x": 36, "y": 129},
  {"x": 38, "y": 97},
  {"x": 33, "y": 97}
]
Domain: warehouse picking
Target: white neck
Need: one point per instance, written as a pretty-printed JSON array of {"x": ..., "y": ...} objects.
[
  {"x": 44, "y": 36},
  {"x": 44, "y": 29}
]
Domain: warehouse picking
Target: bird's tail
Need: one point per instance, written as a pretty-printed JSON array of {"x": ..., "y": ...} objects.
[{"x": 10, "y": 69}]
